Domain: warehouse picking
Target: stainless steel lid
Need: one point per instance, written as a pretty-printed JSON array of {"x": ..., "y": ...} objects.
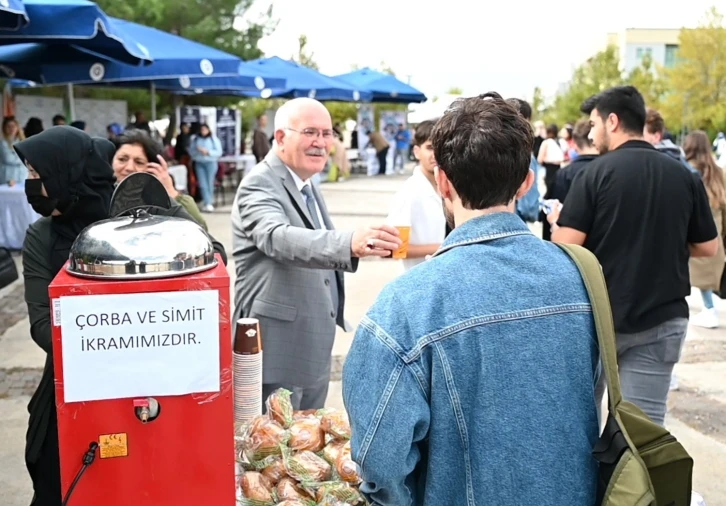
[{"x": 141, "y": 247}]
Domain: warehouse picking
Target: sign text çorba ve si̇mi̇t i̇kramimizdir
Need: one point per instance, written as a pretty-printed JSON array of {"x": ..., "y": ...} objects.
[{"x": 131, "y": 345}]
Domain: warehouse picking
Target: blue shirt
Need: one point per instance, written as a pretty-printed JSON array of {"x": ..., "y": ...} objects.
[
  {"x": 211, "y": 143},
  {"x": 403, "y": 139},
  {"x": 471, "y": 379}
]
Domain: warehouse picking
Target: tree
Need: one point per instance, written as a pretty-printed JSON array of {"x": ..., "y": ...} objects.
[
  {"x": 698, "y": 80},
  {"x": 341, "y": 112},
  {"x": 455, "y": 91},
  {"x": 386, "y": 69},
  {"x": 598, "y": 73},
  {"x": 649, "y": 81},
  {"x": 303, "y": 57},
  {"x": 215, "y": 23},
  {"x": 538, "y": 103}
]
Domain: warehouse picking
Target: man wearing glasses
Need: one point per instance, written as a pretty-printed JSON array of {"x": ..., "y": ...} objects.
[{"x": 289, "y": 258}]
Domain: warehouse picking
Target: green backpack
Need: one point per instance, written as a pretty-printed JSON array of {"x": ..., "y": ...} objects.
[{"x": 641, "y": 463}]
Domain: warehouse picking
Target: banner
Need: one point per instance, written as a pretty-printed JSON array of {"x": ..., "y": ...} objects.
[
  {"x": 389, "y": 124},
  {"x": 366, "y": 123},
  {"x": 227, "y": 130},
  {"x": 190, "y": 115}
]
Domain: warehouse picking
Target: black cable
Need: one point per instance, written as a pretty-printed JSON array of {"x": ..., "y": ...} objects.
[{"x": 88, "y": 459}]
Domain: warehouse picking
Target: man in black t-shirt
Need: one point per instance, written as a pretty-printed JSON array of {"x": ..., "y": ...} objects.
[{"x": 643, "y": 214}]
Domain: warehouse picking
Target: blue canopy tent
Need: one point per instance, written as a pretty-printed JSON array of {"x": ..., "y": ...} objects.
[
  {"x": 173, "y": 56},
  {"x": 303, "y": 81},
  {"x": 250, "y": 80},
  {"x": 78, "y": 22},
  {"x": 178, "y": 62},
  {"x": 383, "y": 87},
  {"x": 12, "y": 15}
]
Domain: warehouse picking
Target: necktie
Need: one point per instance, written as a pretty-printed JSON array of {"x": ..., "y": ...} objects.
[
  {"x": 310, "y": 202},
  {"x": 313, "y": 210}
]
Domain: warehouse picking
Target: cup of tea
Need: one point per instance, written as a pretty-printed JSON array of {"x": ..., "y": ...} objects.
[
  {"x": 247, "y": 339},
  {"x": 404, "y": 233}
]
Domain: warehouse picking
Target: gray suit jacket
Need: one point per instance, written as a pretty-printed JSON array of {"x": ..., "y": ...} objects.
[{"x": 283, "y": 265}]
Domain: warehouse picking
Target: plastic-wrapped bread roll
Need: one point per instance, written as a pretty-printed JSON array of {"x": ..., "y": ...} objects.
[
  {"x": 255, "y": 487},
  {"x": 306, "y": 434}
]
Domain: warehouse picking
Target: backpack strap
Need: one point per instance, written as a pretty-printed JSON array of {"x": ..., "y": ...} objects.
[{"x": 592, "y": 276}]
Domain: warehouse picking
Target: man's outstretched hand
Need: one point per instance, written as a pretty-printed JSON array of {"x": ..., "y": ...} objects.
[{"x": 379, "y": 241}]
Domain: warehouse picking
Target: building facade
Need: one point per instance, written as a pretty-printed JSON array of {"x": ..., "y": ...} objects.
[{"x": 661, "y": 45}]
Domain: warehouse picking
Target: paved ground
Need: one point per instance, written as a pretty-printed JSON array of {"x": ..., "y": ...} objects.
[{"x": 697, "y": 410}]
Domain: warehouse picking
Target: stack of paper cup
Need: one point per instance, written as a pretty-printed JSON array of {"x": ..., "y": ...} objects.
[{"x": 247, "y": 367}]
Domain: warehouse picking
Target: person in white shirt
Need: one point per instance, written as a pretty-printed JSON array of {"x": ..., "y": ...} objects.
[{"x": 418, "y": 203}]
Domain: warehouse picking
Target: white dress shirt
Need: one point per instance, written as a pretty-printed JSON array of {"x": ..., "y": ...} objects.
[
  {"x": 419, "y": 205},
  {"x": 300, "y": 184}
]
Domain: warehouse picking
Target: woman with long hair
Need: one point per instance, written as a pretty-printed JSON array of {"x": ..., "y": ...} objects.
[
  {"x": 551, "y": 157},
  {"x": 12, "y": 169},
  {"x": 205, "y": 150},
  {"x": 70, "y": 183},
  {"x": 706, "y": 272}
]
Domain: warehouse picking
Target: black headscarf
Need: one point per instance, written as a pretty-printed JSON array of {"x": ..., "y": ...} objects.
[{"x": 76, "y": 171}]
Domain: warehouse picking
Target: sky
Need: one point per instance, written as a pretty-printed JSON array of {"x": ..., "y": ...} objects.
[{"x": 507, "y": 46}]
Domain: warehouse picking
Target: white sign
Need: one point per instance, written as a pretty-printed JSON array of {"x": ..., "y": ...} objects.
[{"x": 136, "y": 345}]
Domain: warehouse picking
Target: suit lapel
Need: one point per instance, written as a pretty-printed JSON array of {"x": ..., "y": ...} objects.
[{"x": 274, "y": 162}]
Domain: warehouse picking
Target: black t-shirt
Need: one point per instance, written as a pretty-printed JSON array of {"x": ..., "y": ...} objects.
[
  {"x": 640, "y": 209},
  {"x": 565, "y": 176}
]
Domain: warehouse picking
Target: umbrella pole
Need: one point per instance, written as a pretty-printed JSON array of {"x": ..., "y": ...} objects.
[
  {"x": 153, "y": 101},
  {"x": 71, "y": 102}
]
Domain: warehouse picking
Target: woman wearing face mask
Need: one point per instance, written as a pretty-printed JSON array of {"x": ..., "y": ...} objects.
[
  {"x": 70, "y": 182},
  {"x": 205, "y": 150},
  {"x": 137, "y": 152}
]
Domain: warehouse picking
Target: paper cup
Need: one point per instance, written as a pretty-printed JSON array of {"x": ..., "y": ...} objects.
[{"x": 404, "y": 232}]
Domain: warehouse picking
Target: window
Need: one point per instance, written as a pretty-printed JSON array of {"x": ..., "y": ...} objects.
[
  {"x": 671, "y": 55},
  {"x": 641, "y": 52}
]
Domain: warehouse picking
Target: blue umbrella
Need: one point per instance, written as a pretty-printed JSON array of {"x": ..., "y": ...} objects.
[
  {"x": 305, "y": 82},
  {"x": 48, "y": 65},
  {"x": 12, "y": 15},
  {"x": 250, "y": 81},
  {"x": 79, "y": 22},
  {"x": 384, "y": 87},
  {"x": 173, "y": 57}
]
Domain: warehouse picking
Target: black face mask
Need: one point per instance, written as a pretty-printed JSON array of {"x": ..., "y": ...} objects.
[{"x": 41, "y": 204}]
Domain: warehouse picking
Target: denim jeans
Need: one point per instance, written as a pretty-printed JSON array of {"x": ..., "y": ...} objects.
[
  {"x": 206, "y": 172},
  {"x": 401, "y": 154},
  {"x": 645, "y": 362},
  {"x": 707, "y": 296}
]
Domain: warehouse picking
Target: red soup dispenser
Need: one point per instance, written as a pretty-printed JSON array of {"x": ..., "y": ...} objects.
[{"x": 143, "y": 367}]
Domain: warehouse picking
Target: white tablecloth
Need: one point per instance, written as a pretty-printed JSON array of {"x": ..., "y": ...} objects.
[
  {"x": 245, "y": 162},
  {"x": 372, "y": 161},
  {"x": 16, "y": 216}
]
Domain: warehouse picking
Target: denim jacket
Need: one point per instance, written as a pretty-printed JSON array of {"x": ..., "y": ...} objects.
[{"x": 471, "y": 379}]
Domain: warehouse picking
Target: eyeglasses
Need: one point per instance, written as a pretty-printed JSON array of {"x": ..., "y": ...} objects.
[{"x": 313, "y": 133}]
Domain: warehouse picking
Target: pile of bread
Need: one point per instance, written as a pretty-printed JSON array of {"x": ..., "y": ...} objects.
[{"x": 296, "y": 458}]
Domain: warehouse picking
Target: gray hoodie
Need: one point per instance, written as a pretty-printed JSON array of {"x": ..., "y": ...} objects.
[{"x": 666, "y": 146}]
